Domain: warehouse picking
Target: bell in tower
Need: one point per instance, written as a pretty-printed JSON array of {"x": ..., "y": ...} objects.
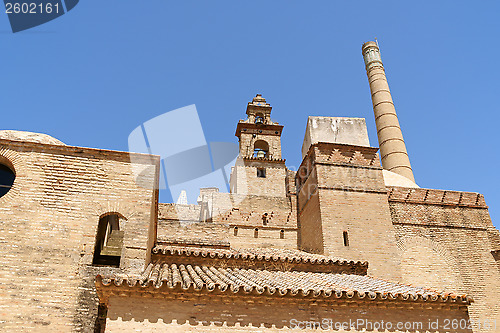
[{"x": 259, "y": 169}]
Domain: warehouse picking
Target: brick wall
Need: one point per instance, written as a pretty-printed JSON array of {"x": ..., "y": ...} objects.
[
  {"x": 234, "y": 220},
  {"x": 244, "y": 178},
  {"x": 194, "y": 233},
  {"x": 273, "y": 217},
  {"x": 175, "y": 212},
  {"x": 48, "y": 225},
  {"x": 344, "y": 185},
  {"x": 261, "y": 237},
  {"x": 310, "y": 236},
  {"x": 186, "y": 313},
  {"x": 247, "y": 142},
  {"x": 448, "y": 246}
]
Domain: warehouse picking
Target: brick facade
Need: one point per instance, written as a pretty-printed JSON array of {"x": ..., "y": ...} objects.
[
  {"x": 347, "y": 213},
  {"x": 255, "y": 314},
  {"x": 450, "y": 246},
  {"x": 48, "y": 227},
  {"x": 280, "y": 247}
]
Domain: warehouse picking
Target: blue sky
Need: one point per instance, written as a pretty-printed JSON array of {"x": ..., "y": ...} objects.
[{"x": 91, "y": 76}]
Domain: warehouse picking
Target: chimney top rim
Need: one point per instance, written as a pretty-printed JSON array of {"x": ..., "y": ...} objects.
[{"x": 369, "y": 44}]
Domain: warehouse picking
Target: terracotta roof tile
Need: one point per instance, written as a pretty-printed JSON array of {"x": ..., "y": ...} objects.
[
  {"x": 260, "y": 254},
  {"x": 162, "y": 277}
]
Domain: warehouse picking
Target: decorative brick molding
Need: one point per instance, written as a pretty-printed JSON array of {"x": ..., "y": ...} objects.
[
  {"x": 436, "y": 197},
  {"x": 336, "y": 153},
  {"x": 324, "y": 153},
  {"x": 250, "y": 128},
  {"x": 265, "y": 159}
]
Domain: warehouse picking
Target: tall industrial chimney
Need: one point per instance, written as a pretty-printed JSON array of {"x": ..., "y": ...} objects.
[{"x": 390, "y": 138}]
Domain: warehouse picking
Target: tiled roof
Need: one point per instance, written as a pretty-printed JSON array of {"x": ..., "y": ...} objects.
[
  {"x": 259, "y": 254},
  {"x": 163, "y": 278},
  {"x": 194, "y": 243}
]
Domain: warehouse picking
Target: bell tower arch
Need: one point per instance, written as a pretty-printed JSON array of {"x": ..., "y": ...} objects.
[{"x": 259, "y": 169}]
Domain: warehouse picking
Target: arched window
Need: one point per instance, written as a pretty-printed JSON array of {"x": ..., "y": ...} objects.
[
  {"x": 256, "y": 232},
  {"x": 108, "y": 241},
  {"x": 259, "y": 118},
  {"x": 260, "y": 149},
  {"x": 236, "y": 231},
  {"x": 7, "y": 177}
]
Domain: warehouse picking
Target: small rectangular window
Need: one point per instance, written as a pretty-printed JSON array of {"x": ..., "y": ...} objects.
[
  {"x": 261, "y": 173},
  {"x": 346, "y": 238}
]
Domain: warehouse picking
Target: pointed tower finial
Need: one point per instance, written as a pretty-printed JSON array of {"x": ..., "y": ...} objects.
[{"x": 258, "y": 108}]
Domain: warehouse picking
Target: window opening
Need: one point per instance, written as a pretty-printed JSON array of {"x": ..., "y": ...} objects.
[
  {"x": 7, "y": 177},
  {"x": 109, "y": 241},
  {"x": 346, "y": 238},
  {"x": 261, "y": 173}
]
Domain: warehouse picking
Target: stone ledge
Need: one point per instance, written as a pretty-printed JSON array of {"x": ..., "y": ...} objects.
[{"x": 83, "y": 151}]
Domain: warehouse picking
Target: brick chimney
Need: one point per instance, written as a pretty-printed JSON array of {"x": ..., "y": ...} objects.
[{"x": 392, "y": 146}]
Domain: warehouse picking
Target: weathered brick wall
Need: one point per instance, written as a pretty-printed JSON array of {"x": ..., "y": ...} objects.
[
  {"x": 310, "y": 236},
  {"x": 247, "y": 213},
  {"x": 366, "y": 219},
  {"x": 175, "y": 212},
  {"x": 194, "y": 233},
  {"x": 245, "y": 181},
  {"x": 448, "y": 246},
  {"x": 273, "y": 217},
  {"x": 257, "y": 237},
  {"x": 245, "y": 313},
  {"x": 247, "y": 142},
  {"x": 291, "y": 189},
  {"x": 496, "y": 256},
  {"x": 183, "y": 224},
  {"x": 48, "y": 225},
  {"x": 223, "y": 203},
  {"x": 352, "y": 198},
  {"x": 234, "y": 220}
]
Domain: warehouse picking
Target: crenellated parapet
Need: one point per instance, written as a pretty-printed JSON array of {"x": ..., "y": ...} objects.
[
  {"x": 339, "y": 155},
  {"x": 436, "y": 197}
]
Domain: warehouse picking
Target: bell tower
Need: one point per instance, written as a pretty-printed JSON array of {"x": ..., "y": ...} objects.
[{"x": 259, "y": 169}]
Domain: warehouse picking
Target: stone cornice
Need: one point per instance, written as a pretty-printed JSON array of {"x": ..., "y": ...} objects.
[{"x": 251, "y": 128}]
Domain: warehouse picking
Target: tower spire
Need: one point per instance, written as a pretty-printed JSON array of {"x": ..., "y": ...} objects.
[{"x": 392, "y": 146}]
